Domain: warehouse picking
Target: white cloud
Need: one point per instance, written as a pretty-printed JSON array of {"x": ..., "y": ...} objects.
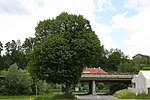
[
  {"x": 137, "y": 5},
  {"x": 138, "y": 25},
  {"x": 103, "y": 5},
  {"x": 103, "y": 32},
  {"x": 20, "y": 26},
  {"x": 15, "y": 27},
  {"x": 12, "y": 7}
]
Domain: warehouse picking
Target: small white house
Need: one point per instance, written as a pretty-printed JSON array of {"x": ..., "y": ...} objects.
[{"x": 141, "y": 82}]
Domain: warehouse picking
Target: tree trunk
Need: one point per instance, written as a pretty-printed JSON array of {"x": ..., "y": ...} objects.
[{"x": 68, "y": 87}]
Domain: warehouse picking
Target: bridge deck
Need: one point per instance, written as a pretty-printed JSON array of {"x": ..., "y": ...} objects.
[{"x": 106, "y": 77}]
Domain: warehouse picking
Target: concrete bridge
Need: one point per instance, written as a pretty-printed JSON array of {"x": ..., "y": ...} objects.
[{"x": 118, "y": 78}]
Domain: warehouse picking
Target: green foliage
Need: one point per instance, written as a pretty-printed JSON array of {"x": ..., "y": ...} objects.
[
  {"x": 100, "y": 85},
  {"x": 146, "y": 67},
  {"x": 140, "y": 59},
  {"x": 126, "y": 94},
  {"x": 41, "y": 86},
  {"x": 141, "y": 62},
  {"x": 115, "y": 57},
  {"x": 28, "y": 45},
  {"x": 6, "y": 60},
  {"x": 116, "y": 86},
  {"x": 128, "y": 67},
  {"x": 65, "y": 46},
  {"x": 1, "y": 63},
  {"x": 17, "y": 82},
  {"x": 14, "y": 54}
]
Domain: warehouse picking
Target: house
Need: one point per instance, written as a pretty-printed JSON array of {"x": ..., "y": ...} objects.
[
  {"x": 141, "y": 82},
  {"x": 139, "y": 56},
  {"x": 93, "y": 71}
]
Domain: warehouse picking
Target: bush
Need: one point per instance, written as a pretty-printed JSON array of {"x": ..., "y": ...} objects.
[
  {"x": 41, "y": 86},
  {"x": 17, "y": 82},
  {"x": 126, "y": 94},
  {"x": 116, "y": 86}
]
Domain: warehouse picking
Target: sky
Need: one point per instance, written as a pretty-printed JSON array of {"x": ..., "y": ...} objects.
[{"x": 122, "y": 24}]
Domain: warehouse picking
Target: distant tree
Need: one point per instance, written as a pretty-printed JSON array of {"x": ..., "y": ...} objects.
[
  {"x": 14, "y": 54},
  {"x": 17, "y": 81},
  {"x": 113, "y": 87},
  {"x": 8, "y": 48},
  {"x": 141, "y": 60},
  {"x": 1, "y": 63},
  {"x": 7, "y": 61},
  {"x": 127, "y": 67},
  {"x": 103, "y": 60},
  {"x": 1, "y": 57},
  {"x": 66, "y": 45},
  {"x": 28, "y": 45},
  {"x": 115, "y": 57}
]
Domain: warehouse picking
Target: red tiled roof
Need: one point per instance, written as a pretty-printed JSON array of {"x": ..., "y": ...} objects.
[{"x": 94, "y": 70}]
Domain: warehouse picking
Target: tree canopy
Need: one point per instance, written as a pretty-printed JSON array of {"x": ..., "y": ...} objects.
[
  {"x": 65, "y": 45},
  {"x": 115, "y": 57}
]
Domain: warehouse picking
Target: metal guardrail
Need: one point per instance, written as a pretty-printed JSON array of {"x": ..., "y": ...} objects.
[
  {"x": 107, "y": 75},
  {"x": 110, "y": 73}
]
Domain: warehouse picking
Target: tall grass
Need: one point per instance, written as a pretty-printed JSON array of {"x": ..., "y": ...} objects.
[{"x": 126, "y": 94}]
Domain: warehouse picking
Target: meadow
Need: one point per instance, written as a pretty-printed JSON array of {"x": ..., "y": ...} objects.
[{"x": 40, "y": 97}]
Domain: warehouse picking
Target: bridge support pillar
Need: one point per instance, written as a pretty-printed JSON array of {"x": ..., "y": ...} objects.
[{"x": 92, "y": 87}]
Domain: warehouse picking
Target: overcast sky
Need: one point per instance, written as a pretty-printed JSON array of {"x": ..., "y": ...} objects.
[{"x": 122, "y": 24}]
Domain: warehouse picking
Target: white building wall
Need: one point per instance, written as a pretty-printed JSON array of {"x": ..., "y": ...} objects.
[
  {"x": 147, "y": 85},
  {"x": 133, "y": 89},
  {"x": 141, "y": 84}
]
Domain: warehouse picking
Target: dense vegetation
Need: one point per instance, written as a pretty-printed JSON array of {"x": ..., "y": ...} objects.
[
  {"x": 126, "y": 94},
  {"x": 66, "y": 44},
  {"x": 61, "y": 48}
]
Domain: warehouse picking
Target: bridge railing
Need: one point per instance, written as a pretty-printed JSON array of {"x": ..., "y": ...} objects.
[
  {"x": 110, "y": 73},
  {"x": 119, "y": 75}
]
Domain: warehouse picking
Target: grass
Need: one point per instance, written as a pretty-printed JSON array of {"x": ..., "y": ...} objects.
[
  {"x": 56, "y": 97},
  {"x": 126, "y": 94},
  {"x": 40, "y": 97},
  {"x": 16, "y": 97}
]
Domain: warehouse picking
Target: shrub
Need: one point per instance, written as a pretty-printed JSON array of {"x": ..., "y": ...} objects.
[
  {"x": 113, "y": 87},
  {"x": 17, "y": 82},
  {"x": 41, "y": 86},
  {"x": 125, "y": 94}
]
